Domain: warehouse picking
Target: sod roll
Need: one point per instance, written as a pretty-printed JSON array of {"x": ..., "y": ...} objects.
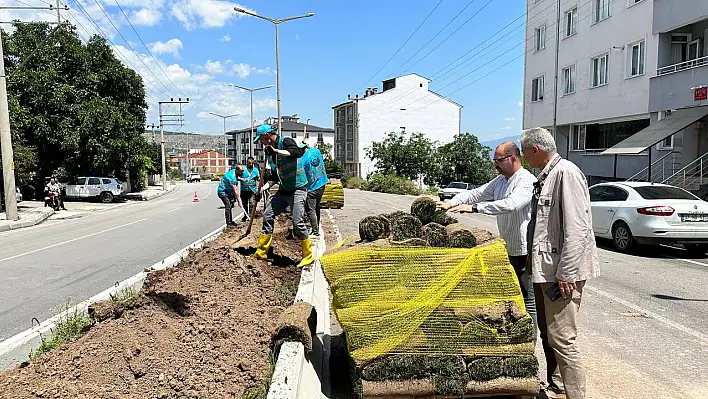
[
  {"x": 485, "y": 368},
  {"x": 372, "y": 228},
  {"x": 440, "y": 217},
  {"x": 460, "y": 237},
  {"x": 424, "y": 209},
  {"x": 297, "y": 323},
  {"x": 435, "y": 234},
  {"x": 406, "y": 227}
]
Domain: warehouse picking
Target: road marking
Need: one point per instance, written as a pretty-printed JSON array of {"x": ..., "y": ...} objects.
[
  {"x": 695, "y": 262},
  {"x": 179, "y": 207},
  {"x": 208, "y": 194},
  {"x": 72, "y": 240},
  {"x": 702, "y": 337}
]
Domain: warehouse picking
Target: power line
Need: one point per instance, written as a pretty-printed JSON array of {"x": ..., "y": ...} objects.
[
  {"x": 148, "y": 50},
  {"x": 401, "y": 47}
]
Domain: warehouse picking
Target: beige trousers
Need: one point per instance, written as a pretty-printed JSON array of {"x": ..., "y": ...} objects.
[{"x": 558, "y": 335}]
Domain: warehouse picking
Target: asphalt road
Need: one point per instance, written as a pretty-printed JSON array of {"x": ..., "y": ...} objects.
[
  {"x": 89, "y": 248},
  {"x": 643, "y": 323}
]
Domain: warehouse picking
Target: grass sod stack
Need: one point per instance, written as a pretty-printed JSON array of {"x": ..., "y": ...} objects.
[
  {"x": 372, "y": 228},
  {"x": 440, "y": 217},
  {"x": 406, "y": 227},
  {"x": 333, "y": 196},
  {"x": 424, "y": 209},
  {"x": 460, "y": 236},
  {"x": 435, "y": 235}
]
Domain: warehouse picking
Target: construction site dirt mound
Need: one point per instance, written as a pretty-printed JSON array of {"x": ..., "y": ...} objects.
[{"x": 198, "y": 330}]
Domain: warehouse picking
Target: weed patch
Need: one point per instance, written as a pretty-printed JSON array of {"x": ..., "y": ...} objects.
[
  {"x": 68, "y": 326},
  {"x": 285, "y": 292}
]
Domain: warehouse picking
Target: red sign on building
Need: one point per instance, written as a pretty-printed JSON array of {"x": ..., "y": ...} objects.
[{"x": 700, "y": 93}]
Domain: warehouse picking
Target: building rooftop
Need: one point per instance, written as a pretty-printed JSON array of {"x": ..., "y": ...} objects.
[{"x": 289, "y": 126}]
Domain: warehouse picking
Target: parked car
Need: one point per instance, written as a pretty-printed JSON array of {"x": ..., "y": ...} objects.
[
  {"x": 194, "y": 178},
  {"x": 106, "y": 189},
  {"x": 2, "y": 198},
  {"x": 453, "y": 189},
  {"x": 633, "y": 213}
]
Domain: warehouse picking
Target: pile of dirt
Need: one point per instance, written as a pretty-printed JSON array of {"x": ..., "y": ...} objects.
[{"x": 201, "y": 329}]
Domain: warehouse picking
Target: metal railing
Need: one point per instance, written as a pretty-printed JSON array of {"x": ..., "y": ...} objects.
[
  {"x": 682, "y": 66},
  {"x": 690, "y": 177},
  {"x": 668, "y": 168}
]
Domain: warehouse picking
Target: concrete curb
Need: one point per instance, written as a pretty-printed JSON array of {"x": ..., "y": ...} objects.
[
  {"x": 16, "y": 349},
  {"x": 141, "y": 197},
  {"x": 20, "y": 224},
  {"x": 295, "y": 376}
]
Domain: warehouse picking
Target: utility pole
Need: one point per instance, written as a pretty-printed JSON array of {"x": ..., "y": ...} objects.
[
  {"x": 8, "y": 160},
  {"x": 153, "y": 126},
  {"x": 275, "y": 22},
  {"x": 58, "y": 14},
  {"x": 170, "y": 122},
  {"x": 250, "y": 143},
  {"x": 224, "y": 118},
  {"x": 555, "y": 74}
]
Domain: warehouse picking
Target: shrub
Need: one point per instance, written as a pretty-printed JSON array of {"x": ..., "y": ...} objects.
[
  {"x": 354, "y": 182},
  {"x": 390, "y": 184}
]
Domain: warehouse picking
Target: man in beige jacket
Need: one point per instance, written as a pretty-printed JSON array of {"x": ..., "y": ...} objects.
[{"x": 562, "y": 254}]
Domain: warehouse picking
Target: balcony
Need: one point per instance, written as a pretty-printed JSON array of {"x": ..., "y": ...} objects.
[{"x": 672, "y": 14}]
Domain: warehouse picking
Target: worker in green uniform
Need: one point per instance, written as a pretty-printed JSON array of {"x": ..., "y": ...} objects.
[{"x": 284, "y": 154}]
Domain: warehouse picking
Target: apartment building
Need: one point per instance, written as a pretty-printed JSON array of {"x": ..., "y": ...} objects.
[
  {"x": 631, "y": 85},
  {"x": 204, "y": 162},
  {"x": 240, "y": 142},
  {"x": 404, "y": 104}
]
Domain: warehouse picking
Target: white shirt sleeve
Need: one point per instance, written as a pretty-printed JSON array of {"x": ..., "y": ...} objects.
[
  {"x": 482, "y": 193},
  {"x": 521, "y": 195}
]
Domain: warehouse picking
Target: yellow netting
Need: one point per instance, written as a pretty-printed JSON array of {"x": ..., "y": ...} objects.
[{"x": 429, "y": 301}]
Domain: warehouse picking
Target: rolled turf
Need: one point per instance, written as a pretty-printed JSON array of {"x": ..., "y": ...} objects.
[
  {"x": 405, "y": 227},
  {"x": 372, "y": 228},
  {"x": 440, "y": 217},
  {"x": 435, "y": 234},
  {"x": 521, "y": 366},
  {"x": 485, "y": 368},
  {"x": 424, "y": 209},
  {"x": 460, "y": 237}
]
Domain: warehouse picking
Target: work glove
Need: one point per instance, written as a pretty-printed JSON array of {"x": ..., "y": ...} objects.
[{"x": 269, "y": 150}]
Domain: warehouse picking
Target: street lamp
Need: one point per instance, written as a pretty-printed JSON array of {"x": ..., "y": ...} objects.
[
  {"x": 224, "y": 117},
  {"x": 250, "y": 143},
  {"x": 275, "y": 22}
]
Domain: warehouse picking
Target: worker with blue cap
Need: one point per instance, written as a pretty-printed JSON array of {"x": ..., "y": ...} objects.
[
  {"x": 285, "y": 155},
  {"x": 317, "y": 179}
]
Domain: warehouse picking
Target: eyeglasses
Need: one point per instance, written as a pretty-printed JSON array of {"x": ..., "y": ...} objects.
[{"x": 499, "y": 160}]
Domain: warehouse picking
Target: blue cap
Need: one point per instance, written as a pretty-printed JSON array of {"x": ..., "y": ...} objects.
[{"x": 262, "y": 129}]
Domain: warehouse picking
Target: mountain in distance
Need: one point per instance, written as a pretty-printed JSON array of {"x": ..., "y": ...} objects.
[{"x": 494, "y": 143}]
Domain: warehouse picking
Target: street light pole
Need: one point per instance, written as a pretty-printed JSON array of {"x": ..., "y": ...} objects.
[
  {"x": 224, "y": 117},
  {"x": 250, "y": 145},
  {"x": 276, "y": 22}
]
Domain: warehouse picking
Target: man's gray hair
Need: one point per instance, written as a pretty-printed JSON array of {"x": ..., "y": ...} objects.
[{"x": 539, "y": 137}]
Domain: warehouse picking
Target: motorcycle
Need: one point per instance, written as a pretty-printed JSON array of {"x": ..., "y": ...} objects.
[{"x": 51, "y": 199}]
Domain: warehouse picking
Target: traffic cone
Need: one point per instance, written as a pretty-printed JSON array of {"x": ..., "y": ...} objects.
[{"x": 196, "y": 199}]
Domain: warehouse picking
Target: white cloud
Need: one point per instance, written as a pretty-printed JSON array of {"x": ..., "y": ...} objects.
[
  {"x": 241, "y": 69},
  {"x": 145, "y": 17},
  {"x": 225, "y": 38},
  {"x": 204, "y": 13},
  {"x": 521, "y": 103},
  {"x": 172, "y": 46},
  {"x": 506, "y": 128},
  {"x": 509, "y": 119},
  {"x": 214, "y": 67}
]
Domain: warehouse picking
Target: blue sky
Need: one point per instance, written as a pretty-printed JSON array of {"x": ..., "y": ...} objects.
[{"x": 197, "y": 47}]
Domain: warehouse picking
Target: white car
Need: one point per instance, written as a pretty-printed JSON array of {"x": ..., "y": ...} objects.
[
  {"x": 194, "y": 178},
  {"x": 632, "y": 213},
  {"x": 453, "y": 189},
  {"x": 106, "y": 189}
]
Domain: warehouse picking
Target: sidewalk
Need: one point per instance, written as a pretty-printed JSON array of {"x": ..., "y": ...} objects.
[
  {"x": 151, "y": 192},
  {"x": 31, "y": 213}
]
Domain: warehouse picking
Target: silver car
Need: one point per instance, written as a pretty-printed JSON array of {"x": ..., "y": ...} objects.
[{"x": 106, "y": 189}]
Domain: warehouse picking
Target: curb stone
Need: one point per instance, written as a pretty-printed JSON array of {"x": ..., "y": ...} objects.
[
  {"x": 20, "y": 224},
  {"x": 140, "y": 197}
]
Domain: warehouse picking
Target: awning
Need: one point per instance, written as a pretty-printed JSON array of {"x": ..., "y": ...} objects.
[{"x": 645, "y": 138}]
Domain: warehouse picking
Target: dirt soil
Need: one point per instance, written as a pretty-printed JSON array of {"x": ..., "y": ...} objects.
[
  {"x": 328, "y": 227},
  {"x": 198, "y": 330}
]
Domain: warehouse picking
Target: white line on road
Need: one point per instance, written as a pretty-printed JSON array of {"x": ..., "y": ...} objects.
[
  {"x": 702, "y": 337},
  {"x": 179, "y": 207},
  {"x": 695, "y": 262},
  {"x": 208, "y": 194},
  {"x": 72, "y": 240}
]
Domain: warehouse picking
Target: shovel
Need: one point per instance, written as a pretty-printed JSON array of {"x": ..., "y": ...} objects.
[{"x": 253, "y": 209}]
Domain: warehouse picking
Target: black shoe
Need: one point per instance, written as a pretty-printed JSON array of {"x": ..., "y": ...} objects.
[{"x": 231, "y": 225}]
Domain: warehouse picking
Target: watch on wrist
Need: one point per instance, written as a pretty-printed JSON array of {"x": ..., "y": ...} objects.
[{"x": 474, "y": 208}]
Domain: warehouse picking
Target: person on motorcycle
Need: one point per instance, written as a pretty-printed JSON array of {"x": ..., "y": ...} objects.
[{"x": 54, "y": 189}]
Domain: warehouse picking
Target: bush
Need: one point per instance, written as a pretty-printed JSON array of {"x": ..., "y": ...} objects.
[
  {"x": 390, "y": 184},
  {"x": 353, "y": 182}
]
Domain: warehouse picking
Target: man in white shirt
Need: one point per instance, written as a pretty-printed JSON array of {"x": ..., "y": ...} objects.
[{"x": 508, "y": 196}]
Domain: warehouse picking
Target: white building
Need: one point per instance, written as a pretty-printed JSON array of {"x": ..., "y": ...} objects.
[
  {"x": 627, "y": 70},
  {"x": 405, "y": 103}
]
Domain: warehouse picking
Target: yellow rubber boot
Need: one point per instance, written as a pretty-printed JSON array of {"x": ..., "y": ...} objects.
[
  {"x": 307, "y": 256},
  {"x": 264, "y": 241}
]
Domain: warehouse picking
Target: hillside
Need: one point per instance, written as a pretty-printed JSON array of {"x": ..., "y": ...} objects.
[
  {"x": 180, "y": 141},
  {"x": 494, "y": 143}
]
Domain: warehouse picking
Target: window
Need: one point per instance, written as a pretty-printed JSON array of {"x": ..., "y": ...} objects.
[
  {"x": 571, "y": 22},
  {"x": 350, "y": 113},
  {"x": 596, "y": 192},
  {"x": 350, "y": 151},
  {"x": 293, "y": 135},
  {"x": 350, "y": 132},
  {"x": 600, "y": 70},
  {"x": 603, "y": 136},
  {"x": 537, "y": 89},
  {"x": 667, "y": 143},
  {"x": 79, "y": 182},
  {"x": 636, "y": 58},
  {"x": 664, "y": 193},
  {"x": 106, "y": 181},
  {"x": 577, "y": 137},
  {"x": 94, "y": 181},
  {"x": 339, "y": 154},
  {"x": 338, "y": 135},
  {"x": 613, "y": 194},
  {"x": 540, "y": 38},
  {"x": 569, "y": 80},
  {"x": 600, "y": 10},
  {"x": 320, "y": 138}
]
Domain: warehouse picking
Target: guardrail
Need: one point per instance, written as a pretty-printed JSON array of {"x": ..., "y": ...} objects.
[{"x": 682, "y": 66}]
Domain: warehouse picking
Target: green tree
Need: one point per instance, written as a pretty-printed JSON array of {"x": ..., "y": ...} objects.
[
  {"x": 74, "y": 107},
  {"x": 401, "y": 155},
  {"x": 333, "y": 168},
  {"x": 463, "y": 159}
]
